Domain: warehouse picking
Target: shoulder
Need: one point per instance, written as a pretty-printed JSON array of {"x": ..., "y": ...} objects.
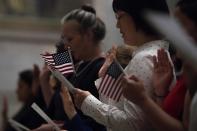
[
  {"x": 99, "y": 61},
  {"x": 96, "y": 64}
]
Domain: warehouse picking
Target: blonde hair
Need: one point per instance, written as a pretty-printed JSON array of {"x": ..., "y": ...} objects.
[{"x": 124, "y": 54}]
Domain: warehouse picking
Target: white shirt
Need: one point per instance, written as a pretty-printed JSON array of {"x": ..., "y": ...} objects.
[{"x": 125, "y": 115}]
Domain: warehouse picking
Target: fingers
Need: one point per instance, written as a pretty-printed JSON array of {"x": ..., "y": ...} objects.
[
  {"x": 164, "y": 60},
  {"x": 60, "y": 125},
  {"x": 102, "y": 71},
  {"x": 155, "y": 63},
  {"x": 79, "y": 97},
  {"x": 77, "y": 100},
  {"x": 160, "y": 57},
  {"x": 110, "y": 56},
  {"x": 65, "y": 93},
  {"x": 114, "y": 47},
  {"x": 163, "y": 57},
  {"x": 132, "y": 77},
  {"x": 128, "y": 81}
]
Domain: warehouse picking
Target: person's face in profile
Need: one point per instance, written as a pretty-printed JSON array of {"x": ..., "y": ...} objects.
[
  {"x": 127, "y": 27},
  {"x": 23, "y": 91},
  {"x": 74, "y": 39}
]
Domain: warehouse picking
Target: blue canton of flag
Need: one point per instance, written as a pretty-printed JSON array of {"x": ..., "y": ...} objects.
[
  {"x": 60, "y": 61},
  {"x": 110, "y": 85}
]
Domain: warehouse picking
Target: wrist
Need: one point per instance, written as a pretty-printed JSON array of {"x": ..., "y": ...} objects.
[
  {"x": 143, "y": 100},
  {"x": 70, "y": 110}
]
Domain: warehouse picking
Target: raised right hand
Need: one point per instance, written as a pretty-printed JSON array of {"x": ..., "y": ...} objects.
[{"x": 110, "y": 56}]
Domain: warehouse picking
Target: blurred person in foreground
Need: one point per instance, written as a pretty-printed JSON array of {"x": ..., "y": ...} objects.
[{"x": 134, "y": 87}]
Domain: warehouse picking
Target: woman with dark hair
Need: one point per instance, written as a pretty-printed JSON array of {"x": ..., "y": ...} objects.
[
  {"x": 125, "y": 115},
  {"x": 83, "y": 32}
]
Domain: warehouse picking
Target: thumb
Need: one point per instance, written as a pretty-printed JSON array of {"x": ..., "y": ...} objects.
[
  {"x": 133, "y": 77},
  {"x": 77, "y": 91}
]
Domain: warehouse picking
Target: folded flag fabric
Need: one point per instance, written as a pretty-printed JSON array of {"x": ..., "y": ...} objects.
[
  {"x": 110, "y": 85},
  {"x": 60, "y": 61}
]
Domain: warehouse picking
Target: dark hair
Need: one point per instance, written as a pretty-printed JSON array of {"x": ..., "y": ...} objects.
[
  {"x": 189, "y": 8},
  {"x": 60, "y": 47},
  {"x": 136, "y": 8},
  {"x": 27, "y": 77},
  {"x": 86, "y": 17},
  {"x": 183, "y": 2}
]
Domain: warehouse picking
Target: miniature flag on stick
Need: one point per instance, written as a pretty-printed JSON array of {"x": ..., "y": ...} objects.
[
  {"x": 110, "y": 85},
  {"x": 60, "y": 61}
]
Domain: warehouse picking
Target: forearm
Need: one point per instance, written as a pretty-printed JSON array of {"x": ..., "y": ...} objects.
[
  {"x": 160, "y": 119},
  {"x": 159, "y": 100},
  {"x": 108, "y": 115},
  {"x": 71, "y": 113}
]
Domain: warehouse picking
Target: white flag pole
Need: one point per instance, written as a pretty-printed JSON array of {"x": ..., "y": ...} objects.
[
  {"x": 44, "y": 116},
  {"x": 64, "y": 81},
  {"x": 17, "y": 125}
]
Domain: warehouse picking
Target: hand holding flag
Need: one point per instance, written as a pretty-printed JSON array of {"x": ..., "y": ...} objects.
[
  {"x": 110, "y": 85},
  {"x": 60, "y": 61}
]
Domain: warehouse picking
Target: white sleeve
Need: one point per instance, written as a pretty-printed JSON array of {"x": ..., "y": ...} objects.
[{"x": 111, "y": 116}]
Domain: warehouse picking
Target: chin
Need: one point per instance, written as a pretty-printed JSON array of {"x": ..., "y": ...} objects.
[{"x": 128, "y": 42}]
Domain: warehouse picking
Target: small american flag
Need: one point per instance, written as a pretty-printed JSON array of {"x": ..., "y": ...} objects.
[
  {"x": 110, "y": 85},
  {"x": 60, "y": 61}
]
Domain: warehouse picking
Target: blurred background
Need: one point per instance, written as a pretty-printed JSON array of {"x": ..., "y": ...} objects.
[{"x": 30, "y": 27}]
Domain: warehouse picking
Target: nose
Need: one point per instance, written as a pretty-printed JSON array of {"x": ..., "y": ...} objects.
[{"x": 118, "y": 24}]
